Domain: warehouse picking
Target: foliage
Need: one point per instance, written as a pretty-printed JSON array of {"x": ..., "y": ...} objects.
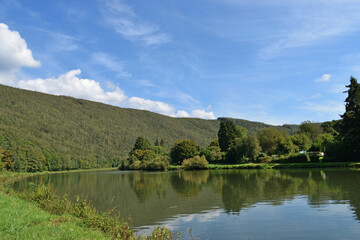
[
  {"x": 157, "y": 163},
  {"x": 350, "y": 126},
  {"x": 20, "y": 219},
  {"x": 253, "y": 127},
  {"x": 141, "y": 144},
  {"x": 322, "y": 142},
  {"x": 212, "y": 154},
  {"x": 196, "y": 162},
  {"x": 183, "y": 149},
  {"x": 161, "y": 233},
  {"x": 6, "y": 160},
  {"x": 245, "y": 148},
  {"x": 294, "y": 158},
  {"x": 45, "y": 197},
  {"x": 273, "y": 141},
  {"x": 214, "y": 143},
  {"x": 313, "y": 129},
  {"x": 146, "y": 157},
  {"x": 331, "y": 127},
  {"x": 45, "y": 132},
  {"x": 302, "y": 141},
  {"x": 252, "y": 147}
]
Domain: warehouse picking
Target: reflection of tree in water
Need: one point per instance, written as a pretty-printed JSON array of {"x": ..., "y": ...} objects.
[
  {"x": 146, "y": 184},
  {"x": 242, "y": 188},
  {"x": 189, "y": 183},
  {"x": 347, "y": 188}
]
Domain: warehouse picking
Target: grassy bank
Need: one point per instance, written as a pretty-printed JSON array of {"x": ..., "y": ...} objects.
[
  {"x": 20, "y": 219},
  {"x": 282, "y": 165},
  {"x": 39, "y": 213}
]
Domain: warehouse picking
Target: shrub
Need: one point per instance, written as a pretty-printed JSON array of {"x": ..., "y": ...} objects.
[
  {"x": 298, "y": 158},
  {"x": 46, "y": 198},
  {"x": 264, "y": 159},
  {"x": 158, "y": 163},
  {"x": 196, "y": 162},
  {"x": 161, "y": 233},
  {"x": 183, "y": 149}
]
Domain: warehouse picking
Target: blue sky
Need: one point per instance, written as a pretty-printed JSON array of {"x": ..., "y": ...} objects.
[{"x": 281, "y": 61}]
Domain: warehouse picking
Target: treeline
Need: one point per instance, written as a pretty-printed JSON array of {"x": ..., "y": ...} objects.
[
  {"x": 338, "y": 139},
  {"x": 45, "y": 132},
  {"x": 234, "y": 146}
]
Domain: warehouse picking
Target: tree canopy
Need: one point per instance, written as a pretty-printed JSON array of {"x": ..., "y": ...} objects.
[
  {"x": 183, "y": 149},
  {"x": 350, "y": 126}
]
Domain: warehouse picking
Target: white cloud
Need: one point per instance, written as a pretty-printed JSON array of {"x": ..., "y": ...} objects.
[
  {"x": 329, "y": 108},
  {"x": 14, "y": 54},
  {"x": 312, "y": 22},
  {"x": 70, "y": 84},
  {"x": 202, "y": 114},
  {"x": 182, "y": 114},
  {"x": 154, "y": 106},
  {"x": 324, "y": 78},
  {"x": 129, "y": 25}
]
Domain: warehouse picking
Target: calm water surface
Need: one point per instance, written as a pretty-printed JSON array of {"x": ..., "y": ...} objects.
[{"x": 226, "y": 204}]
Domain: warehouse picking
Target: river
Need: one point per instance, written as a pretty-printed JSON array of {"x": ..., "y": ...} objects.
[{"x": 225, "y": 204}]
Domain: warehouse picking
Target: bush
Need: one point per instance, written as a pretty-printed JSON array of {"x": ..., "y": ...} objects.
[
  {"x": 159, "y": 163},
  {"x": 298, "y": 158},
  {"x": 213, "y": 154},
  {"x": 196, "y": 162},
  {"x": 183, "y": 149},
  {"x": 264, "y": 159},
  {"x": 161, "y": 233}
]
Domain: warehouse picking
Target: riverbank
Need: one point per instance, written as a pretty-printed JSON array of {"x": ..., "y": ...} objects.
[
  {"x": 20, "y": 219},
  {"x": 39, "y": 213},
  {"x": 283, "y": 165},
  {"x": 277, "y": 165}
]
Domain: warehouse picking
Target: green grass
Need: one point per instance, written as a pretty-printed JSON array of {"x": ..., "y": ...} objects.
[
  {"x": 23, "y": 220},
  {"x": 282, "y": 165}
]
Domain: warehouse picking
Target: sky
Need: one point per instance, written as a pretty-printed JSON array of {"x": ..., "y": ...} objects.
[{"x": 280, "y": 61}]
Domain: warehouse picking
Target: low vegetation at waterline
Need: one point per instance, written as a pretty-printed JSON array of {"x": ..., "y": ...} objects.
[
  {"x": 55, "y": 216},
  {"x": 196, "y": 162},
  {"x": 20, "y": 219}
]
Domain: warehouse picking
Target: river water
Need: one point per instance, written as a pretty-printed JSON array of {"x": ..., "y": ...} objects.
[{"x": 225, "y": 204}]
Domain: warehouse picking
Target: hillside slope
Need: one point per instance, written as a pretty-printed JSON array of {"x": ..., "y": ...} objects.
[{"x": 64, "y": 132}]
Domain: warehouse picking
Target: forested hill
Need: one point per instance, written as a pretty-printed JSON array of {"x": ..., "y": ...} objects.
[{"x": 58, "y": 132}]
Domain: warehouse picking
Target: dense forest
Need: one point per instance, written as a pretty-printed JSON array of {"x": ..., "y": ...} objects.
[
  {"x": 335, "y": 141},
  {"x": 45, "y": 132}
]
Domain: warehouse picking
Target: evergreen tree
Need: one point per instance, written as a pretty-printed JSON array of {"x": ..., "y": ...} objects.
[
  {"x": 227, "y": 135},
  {"x": 350, "y": 126},
  {"x": 141, "y": 144}
]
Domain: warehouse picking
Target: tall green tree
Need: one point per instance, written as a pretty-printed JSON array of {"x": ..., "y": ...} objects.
[
  {"x": 350, "y": 126},
  {"x": 141, "y": 144},
  {"x": 183, "y": 149},
  {"x": 227, "y": 134},
  {"x": 302, "y": 141},
  {"x": 313, "y": 129},
  {"x": 273, "y": 141}
]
